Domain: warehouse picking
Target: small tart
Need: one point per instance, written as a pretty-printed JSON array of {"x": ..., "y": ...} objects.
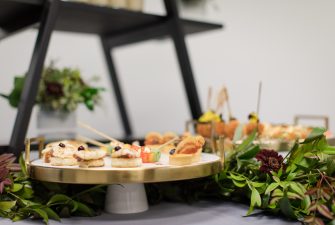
[
  {"x": 91, "y": 158},
  {"x": 185, "y": 159},
  {"x": 59, "y": 154},
  {"x": 126, "y": 157}
]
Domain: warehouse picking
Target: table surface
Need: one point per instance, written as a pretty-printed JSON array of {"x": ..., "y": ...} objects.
[{"x": 209, "y": 213}]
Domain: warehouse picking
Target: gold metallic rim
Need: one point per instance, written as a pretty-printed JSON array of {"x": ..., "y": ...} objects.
[
  {"x": 132, "y": 175},
  {"x": 112, "y": 176}
]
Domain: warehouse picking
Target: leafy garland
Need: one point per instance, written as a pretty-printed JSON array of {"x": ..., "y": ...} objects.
[
  {"x": 21, "y": 197},
  {"x": 300, "y": 186}
]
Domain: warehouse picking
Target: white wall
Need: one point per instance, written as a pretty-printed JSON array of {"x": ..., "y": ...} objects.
[{"x": 288, "y": 45}]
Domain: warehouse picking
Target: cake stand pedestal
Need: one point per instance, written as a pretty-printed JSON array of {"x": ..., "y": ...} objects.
[{"x": 126, "y": 198}]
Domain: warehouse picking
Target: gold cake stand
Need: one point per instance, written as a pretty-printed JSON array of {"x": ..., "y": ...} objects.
[{"x": 129, "y": 197}]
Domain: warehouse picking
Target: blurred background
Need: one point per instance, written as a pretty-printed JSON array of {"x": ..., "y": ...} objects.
[{"x": 288, "y": 45}]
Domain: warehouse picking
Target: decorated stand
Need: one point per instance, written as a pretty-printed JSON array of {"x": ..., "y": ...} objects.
[{"x": 126, "y": 193}]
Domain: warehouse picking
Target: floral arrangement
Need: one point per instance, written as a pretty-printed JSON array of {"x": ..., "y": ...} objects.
[
  {"x": 21, "y": 197},
  {"x": 59, "y": 89},
  {"x": 300, "y": 186}
]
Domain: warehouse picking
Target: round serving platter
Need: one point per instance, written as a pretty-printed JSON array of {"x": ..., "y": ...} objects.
[
  {"x": 148, "y": 173},
  {"x": 130, "y": 195}
]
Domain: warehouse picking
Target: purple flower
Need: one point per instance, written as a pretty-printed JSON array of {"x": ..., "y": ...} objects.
[
  {"x": 5, "y": 162},
  {"x": 54, "y": 89},
  {"x": 270, "y": 161}
]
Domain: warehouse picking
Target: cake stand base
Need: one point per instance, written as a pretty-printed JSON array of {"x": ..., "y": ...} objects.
[{"x": 126, "y": 198}]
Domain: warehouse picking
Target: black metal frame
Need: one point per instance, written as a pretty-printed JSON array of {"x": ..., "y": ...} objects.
[
  {"x": 33, "y": 76},
  {"x": 172, "y": 26}
]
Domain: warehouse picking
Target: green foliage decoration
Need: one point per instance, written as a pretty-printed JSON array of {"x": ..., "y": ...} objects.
[
  {"x": 23, "y": 197},
  {"x": 59, "y": 89},
  {"x": 300, "y": 186}
]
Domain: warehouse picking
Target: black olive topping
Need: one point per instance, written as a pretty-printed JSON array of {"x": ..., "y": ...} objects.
[{"x": 62, "y": 145}]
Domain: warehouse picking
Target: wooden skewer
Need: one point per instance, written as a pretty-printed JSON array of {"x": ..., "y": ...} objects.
[
  {"x": 209, "y": 97},
  {"x": 230, "y": 114},
  {"x": 91, "y": 141},
  {"x": 167, "y": 143},
  {"x": 221, "y": 101},
  {"x": 88, "y": 127}
]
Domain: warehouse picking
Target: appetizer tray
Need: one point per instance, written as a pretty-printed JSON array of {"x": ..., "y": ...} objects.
[
  {"x": 148, "y": 173},
  {"x": 130, "y": 195}
]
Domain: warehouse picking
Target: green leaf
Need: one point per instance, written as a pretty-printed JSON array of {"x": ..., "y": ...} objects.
[
  {"x": 296, "y": 188},
  {"x": 271, "y": 187},
  {"x": 23, "y": 166},
  {"x": 316, "y": 133},
  {"x": 16, "y": 187},
  {"x": 7, "y": 205},
  {"x": 59, "y": 198},
  {"x": 18, "y": 217},
  {"x": 276, "y": 179},
  {"x": 247, "y": 141},
  {"x": 291, "y": 176},
  {"x": 286, "y": 208},
  {"x": 249, "y": 153},
  {"x": 277, "y": 193},
  {"x": 292, "y": 195},
  {"x": 85, "y": 209},
  {"x": 236, "y": 177},
  {"x": 257, "y": 184},
  {"x": 255, "y": 198},
  {"x": 74, "y": 206},
  {"x": 310, "y": 155},
  {"x": 26, "y": 192},
  {"x": 330, "y": 150},
  {"x": 238, "y": 133},
  {"x": 51, "y": 214},
  {"x": 239, "y": 184},
  {"x": 42, "y": 214}
]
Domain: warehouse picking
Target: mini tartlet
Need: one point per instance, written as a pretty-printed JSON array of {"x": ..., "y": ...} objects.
[
  {"x": 126, "y": 156},
  {"x": 60, "y": 154},
  {"x": 90, "y": 158},
  {"x": 187, "y": 152}
]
